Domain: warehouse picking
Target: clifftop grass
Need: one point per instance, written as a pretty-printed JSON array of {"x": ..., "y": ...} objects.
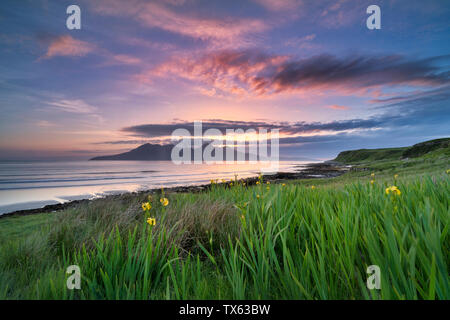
[{"x": 432, "y": 148}]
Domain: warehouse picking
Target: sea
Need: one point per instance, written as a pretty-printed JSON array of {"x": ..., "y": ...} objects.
[{"x": 32, "y": 185}]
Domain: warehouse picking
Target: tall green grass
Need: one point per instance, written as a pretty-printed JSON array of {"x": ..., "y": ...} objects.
[{"x": 291, "y": 242}]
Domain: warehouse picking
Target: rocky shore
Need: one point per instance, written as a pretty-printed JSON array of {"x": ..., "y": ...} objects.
[{"x": 328, "y": 169}]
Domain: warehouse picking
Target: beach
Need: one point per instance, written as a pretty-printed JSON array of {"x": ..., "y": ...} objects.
[{"x": 294, "y": 171}]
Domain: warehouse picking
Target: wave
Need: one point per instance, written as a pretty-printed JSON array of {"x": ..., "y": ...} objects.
[
  {"x": 79, "y": 173},
  {"x": 65, "y": 180}
]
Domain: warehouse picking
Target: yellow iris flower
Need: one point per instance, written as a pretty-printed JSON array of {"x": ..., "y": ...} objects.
[
  {"x": 393, "y": 190},
  {"x": 164, "y": 201},
  {"x": 151, "y": 221}
]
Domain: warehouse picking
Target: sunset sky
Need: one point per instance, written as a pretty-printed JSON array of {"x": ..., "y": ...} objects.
[{"x": 137, "y": 70}]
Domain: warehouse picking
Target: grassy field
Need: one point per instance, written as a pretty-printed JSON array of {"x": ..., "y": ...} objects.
[
  {"x": 435, "y": 149},
  {"x": 307, "y": 239}
]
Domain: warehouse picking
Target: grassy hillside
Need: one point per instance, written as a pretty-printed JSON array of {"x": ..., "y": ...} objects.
[
  {"x": 438, "y": 147},
  {"x": 308, "y": 239},
  {"x": 433, "y": 147},
  {"x": 367, "y": 155}
]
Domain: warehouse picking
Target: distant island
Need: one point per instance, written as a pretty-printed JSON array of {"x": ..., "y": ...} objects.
[
  {"x": 153, "y": 152},
  {"x": 145, "y": 152}
]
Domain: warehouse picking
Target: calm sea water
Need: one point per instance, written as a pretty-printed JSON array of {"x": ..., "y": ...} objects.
[{"x": 30, "y": 185}]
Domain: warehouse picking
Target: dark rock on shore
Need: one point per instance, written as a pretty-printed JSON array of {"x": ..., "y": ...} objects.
[{"x": 45, "y": 209}]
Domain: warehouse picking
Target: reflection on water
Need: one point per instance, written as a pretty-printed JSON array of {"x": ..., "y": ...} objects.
[{"x": 29, "y": 185}]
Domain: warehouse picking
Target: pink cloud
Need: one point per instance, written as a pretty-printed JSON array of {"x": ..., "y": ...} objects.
[
  {"x": 68, "y": 46},
  {"x": 279, "y": 5},
  {"x": 336, "y": 107},
  {"x": 157, "y": 15},
  {"x": 341, "y": 13},
  {"x": 123, "y": 59},
  {"x": 255, "y": 73},
  {"x": 229, "y": 71},
  {"x": 304, "y": 42},
  {"x": 72, "y": 106}
]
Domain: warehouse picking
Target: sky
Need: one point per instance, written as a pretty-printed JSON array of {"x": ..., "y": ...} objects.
[{"x": 137, "y": 70}]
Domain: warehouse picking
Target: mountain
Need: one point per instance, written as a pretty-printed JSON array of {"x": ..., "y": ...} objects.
[
  {"x": 437, "y": 147},
  {"x": 146, "y": 152},
  {"x": 150, "y": 152}
]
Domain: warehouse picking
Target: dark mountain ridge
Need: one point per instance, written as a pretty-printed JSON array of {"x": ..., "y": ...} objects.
[
  {"x": 145, "y": 152},
  {"x": 152, "y": 152}
]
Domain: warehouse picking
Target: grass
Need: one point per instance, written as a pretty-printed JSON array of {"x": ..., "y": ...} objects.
[
  {"x": 429, "y": 149},
  {"x": 355, "y": 156},
  {"x": 291, "y": 242}
]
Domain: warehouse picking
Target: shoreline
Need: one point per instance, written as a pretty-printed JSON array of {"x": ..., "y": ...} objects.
[{"x": 327, "y": 169}]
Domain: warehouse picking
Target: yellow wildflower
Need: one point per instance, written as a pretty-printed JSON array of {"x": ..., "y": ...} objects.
[
  {"x": 257, "y": 196},
  {"x": 231, "y": 184},
  {"x": 268, "y": 188},
  {"x": 257, "y": 182},
  {"x": 372, "y": 174},
  {"x": 151, "y": 221},
  {"x": 268, "y": 182},
  {"x": 372, "y": 181},
  {"x": 395, "y": 176},
  {"x": 146, "y": 206},
  {"x": 223, "y": 180},
  {"x": 164, "y": 201},
  {"x": 283, "y": 184},
  {"x": 393, "y": 190},
  {"x": 448, "y": 171},
  {"x": 313, "y": 187}
]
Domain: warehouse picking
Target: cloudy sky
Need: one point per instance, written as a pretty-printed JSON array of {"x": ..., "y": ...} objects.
[{"x": 137, "y": 70}]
